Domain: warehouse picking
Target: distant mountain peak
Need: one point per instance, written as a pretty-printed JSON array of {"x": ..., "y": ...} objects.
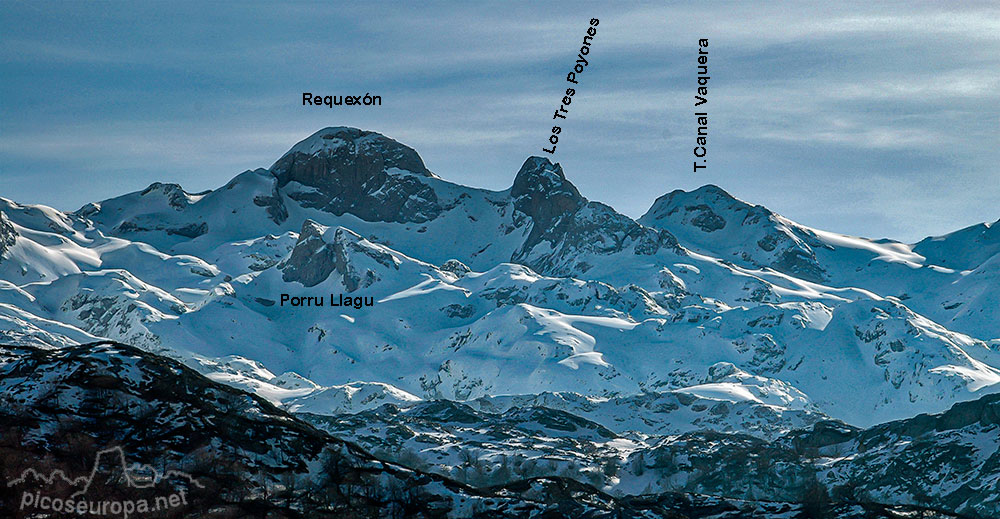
[
  {"x": 964, "y": 249},
  {"x": 345, "y": 152},
  {"x": 174, "y": 194},
  {"x": 542, "y": 192},
  {"x": 701, "y": 201},
  {"x": 539, "y": 172},
  {"x": 710, "y": 190},
  {"x": 347, "y": 170},
  {"x": 712, "y": 220}
]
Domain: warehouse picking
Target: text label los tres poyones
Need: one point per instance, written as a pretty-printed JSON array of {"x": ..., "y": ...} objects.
[{"x": 572, "y": 77}]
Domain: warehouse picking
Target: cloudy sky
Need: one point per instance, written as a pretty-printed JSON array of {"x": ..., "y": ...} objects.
[{"x": 873, "y": 119}]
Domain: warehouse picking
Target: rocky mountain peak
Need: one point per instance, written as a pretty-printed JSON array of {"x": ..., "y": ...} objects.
[
  {"x": 700, "y": 208},
  {"x": 367, "y": 174},
  {"x": 712, "y": 220},
  {"x": 539, "y": 174},
  {"x": 342, "y": 154},
  {"x": 708, "y": 191},
  {"x": 311, "y": 261},
  {"x": 174, "y": 194},
  {"x": 542, "y": 192}
]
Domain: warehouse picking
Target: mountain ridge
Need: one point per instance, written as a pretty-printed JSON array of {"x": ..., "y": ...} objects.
[
  {"x": 498, "y": 326},
  {"x": 695, "y": 262}
]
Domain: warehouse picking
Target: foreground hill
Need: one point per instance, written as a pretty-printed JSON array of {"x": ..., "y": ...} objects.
[{"x": 247, "y": 458}]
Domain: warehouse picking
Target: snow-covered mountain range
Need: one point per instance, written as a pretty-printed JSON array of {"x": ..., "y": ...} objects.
[{"x": 708, "y": 313}]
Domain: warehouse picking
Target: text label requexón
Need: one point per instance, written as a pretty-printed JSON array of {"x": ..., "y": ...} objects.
[{"x": 309, "y": 99}]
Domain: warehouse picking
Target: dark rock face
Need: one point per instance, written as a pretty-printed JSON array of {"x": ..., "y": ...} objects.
[
  {"x": 176, "y": 197},
  {"x": 457, "y": 311},
  {"x": 274, "y": 206},
  {"x": 349, "y": 169},
  {"x": 455, "y": 267},
  {"x": 145, "y": 224},
  {"x": 7, "y": 235},
  {"x": 571, "y": 225},
  {"x": 652, "y": 240},
  {"x": 705, "y": 219},
  {"x": 193, "y": 230},
  {"x": 542, "y": 192},
  {"x": 800, "y": 263},
  {"x": 313, "y": 259}
]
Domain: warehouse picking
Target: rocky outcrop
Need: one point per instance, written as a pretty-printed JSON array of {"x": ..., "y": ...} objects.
[
  {"x": 142, "y": 225},
  {"x": 572, "y": 226},
  {"x": 347, "y": 170},
  {"x": 174, "y": 195},
  {"x": 321, "y": 251},
  {"x": 8, "y": 235},
  {"x": 542, "y": 193}
]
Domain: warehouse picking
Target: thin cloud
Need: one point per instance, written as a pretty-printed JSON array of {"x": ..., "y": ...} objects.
[{"x": 804, "y": 99}]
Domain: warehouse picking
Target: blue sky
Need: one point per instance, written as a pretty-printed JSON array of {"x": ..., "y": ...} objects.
[{"x": 871, "y": 119}]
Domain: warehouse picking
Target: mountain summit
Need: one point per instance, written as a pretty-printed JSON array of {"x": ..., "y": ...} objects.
[
  {"x": 347, "y": 170},
  {"x": 712, "y": 220},
  {"x": 540, "y": 190},
  {"x": 345, "y": 153}
]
